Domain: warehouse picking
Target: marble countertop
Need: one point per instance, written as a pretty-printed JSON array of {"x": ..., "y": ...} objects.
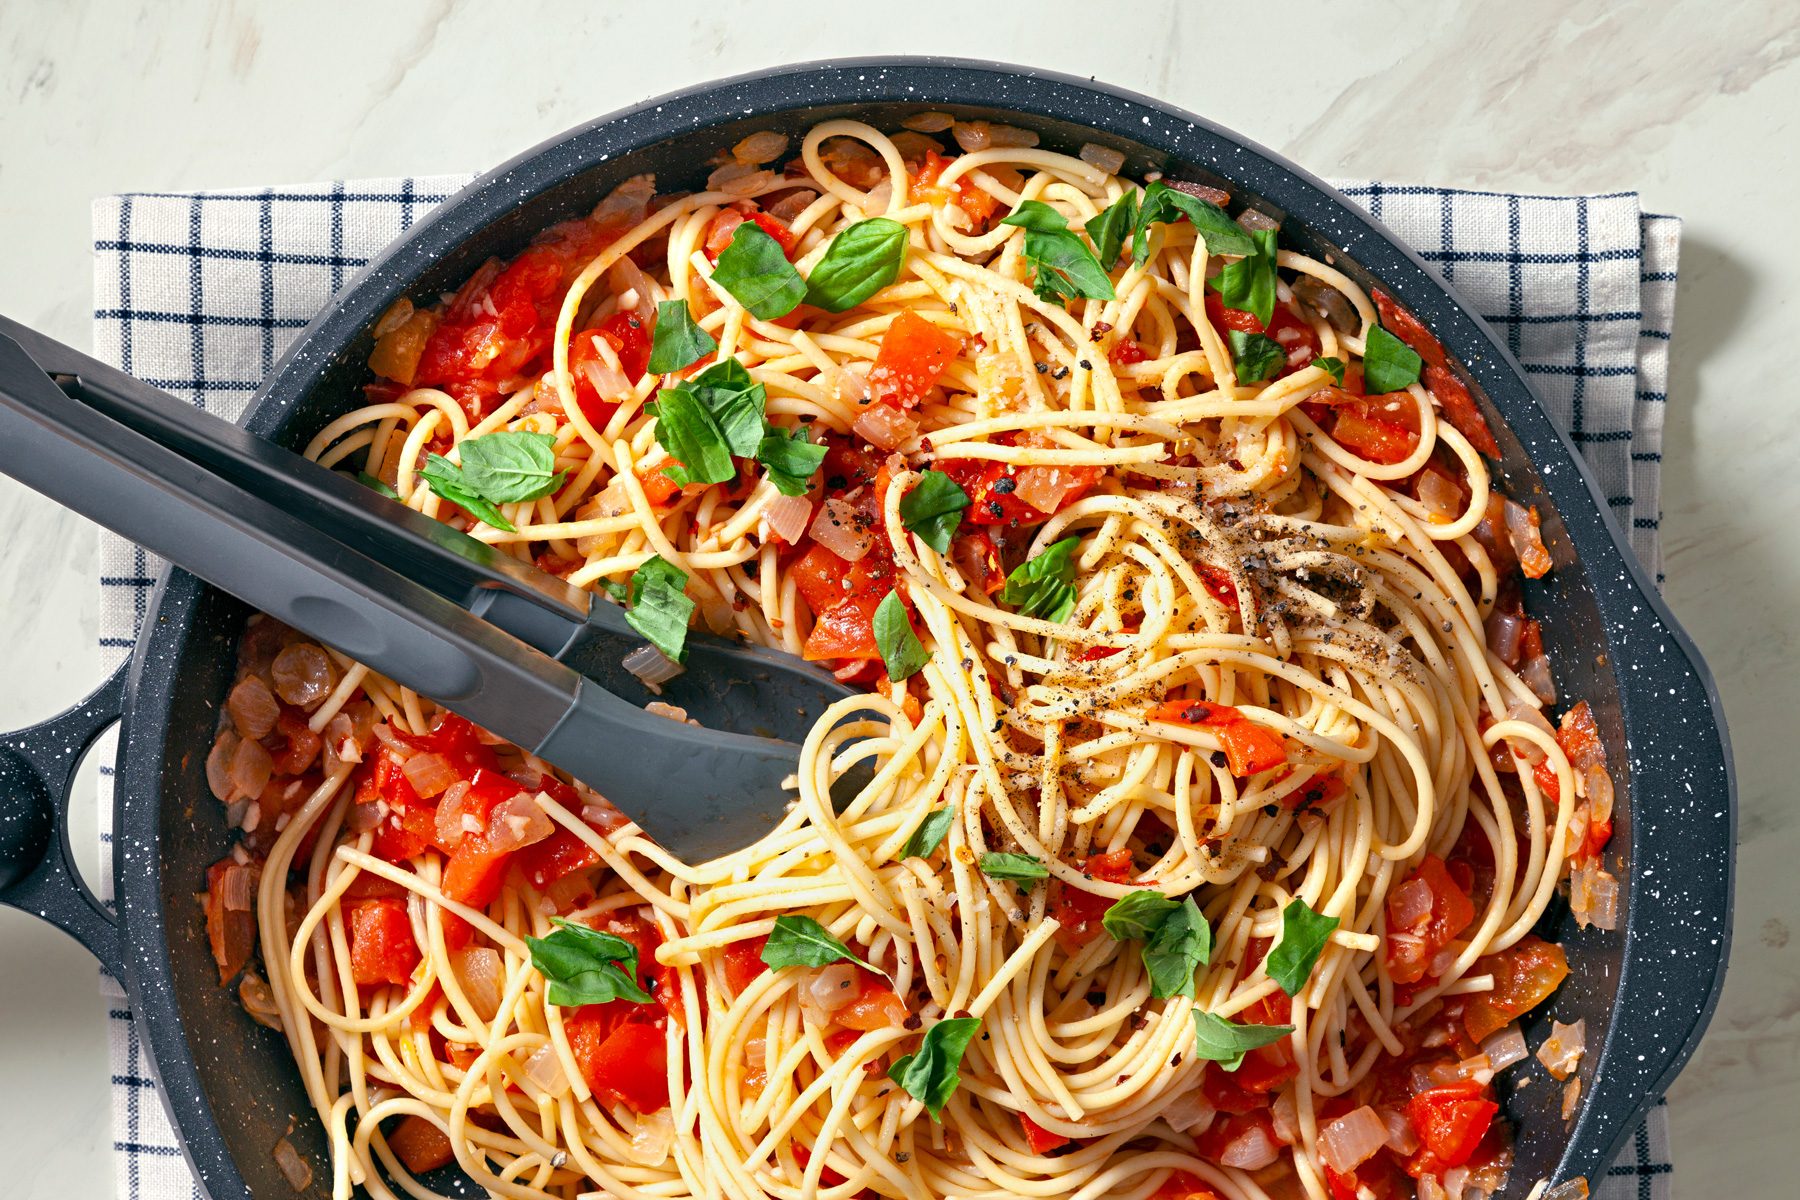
[{"x": 1694, "y": 103}]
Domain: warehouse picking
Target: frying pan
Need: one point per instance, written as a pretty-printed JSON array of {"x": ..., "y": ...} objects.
[{"x": 1645, "y": 989}]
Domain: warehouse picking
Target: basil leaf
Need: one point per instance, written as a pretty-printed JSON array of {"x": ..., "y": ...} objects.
[
  {"x": 901, "y": 651},
  {"x": 803, "y": 942},
  {"x": 755, "y": 270},
  {"x": 658, "y": 606},
  {"x": 859, "y": 262},
  {"x": 375, "y": 485},
  {"x": 1165, "y": 204},
  {"x": 1062, "y": 264},
  {"x": 1248, "y": 284},
  {"x": 929, "y": 835},
  {"x": 1303, "y": 937},
  {"x": 934, "y": 508},
  {"x": 446, "y": 479},
  {"x": 1226, "y": 1042},
  {"x": 1018, "y": 867},
  {"x": 508, "y": 467},
  {"x": 1389, "y": 364},
  {"x": 1333, "y": 367},
  {"x": 677, "y": 341},
  {"x": 930, "y": 1075},
  {"x": 585, "y": 966},
  {"x": 1137, "y": 914},
  {"x": 705, "y": 420},
  {"x": 1178, "y": 948},
  {"x": 1254, "y": 356},
  {"x": 790, "y": 458},
  {"x": 620, "y": 592},
  {"x": 1044, "y": 586},
  {"x": 1110, "y": 228}
]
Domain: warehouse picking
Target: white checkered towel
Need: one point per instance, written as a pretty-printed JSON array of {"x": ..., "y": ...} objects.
[{"x": 199, "y": 293}]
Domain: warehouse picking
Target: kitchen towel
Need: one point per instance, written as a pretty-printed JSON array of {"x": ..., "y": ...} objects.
[{"x": 199, "y": 293}]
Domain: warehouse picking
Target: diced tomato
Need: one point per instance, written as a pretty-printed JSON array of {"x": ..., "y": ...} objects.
[
  {"x": 1224, "y": 1093},
  {"x": 1230, "y": 318},
  {"x": 993, "y": 492},
  {"x": 382, "y": 949},
  {"x": 457, "y": 739},
  {"x": 913, "y": 353},
  {"x": 1579, "y": 734},
  {"x": 1251, "y": 749},
  {"x": 1451, "y": 1120},
  {"x": 820, "y": 577},
  {"x": 1460, "y": 409},
  {"x": 1201, "y": 713},
  {"x": 476, "y": 870},
  {"x": 1316, "y": 793},
  {"x": 1524, "y": 976},
  {"x": 1078, "y": 912},
  {"x": 419, "y": 1145},
  {"x": 1411, "y": 947},
  {"x": 1402, "y": 324},
  {"x": 387, "y": 782},
  {"x": 402, "y": 835},
  {"x": 301, "y": 743},
  {"x": 744, "y": 964},
  {"x": 1218, "y": 584},
  {"x": 978, "y": 558},
  {"x": 724, "y": 227},
  {"x": 1342, "y": 1187},
  {"x": 1268, "y": 1068},
  {"x": 1294, "y": 336},
  {"x": 1041, "y": 1140},
  {"x": 629, "y": 338},
  {"x": 1183, "y": 1185},
  {"x": 622, "y": 1063},
  {"x": 976, "y": 202},
  {"x": 847, "y": 631},
  {"x": 876, "y": 1007},
  {"x": 1374, "y": 438},
  {"x": 562, "y": 853},
  {"x": 659, "y": 489},
  {"x": 1127, "y": 352}
]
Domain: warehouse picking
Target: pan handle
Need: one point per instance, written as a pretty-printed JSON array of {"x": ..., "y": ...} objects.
[{"x": 37, "y": 870}]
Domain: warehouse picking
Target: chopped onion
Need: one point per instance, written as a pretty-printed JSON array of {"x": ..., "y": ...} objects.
[
  {"x": 1285, "y": 1115},
  {"x": 1011, "y": 136},
  {"x": 363, "y": 817},
  {"x": 1103, "y": 157},
  {"x": 972, "y": 136},
  {"x": 627, "y": 279},
  {"x": 1430, "y": 1188},
  {"x": 1562, "y": 1050},
  {"x": 545, "y": 1070},
  {"x": 252, "y": 707},
  {"x": 429, "y": 774},
  {"x": 1529, "y": 714},
  {"x": 236, "y": 883},
  {"x": 250, "y": 769},
  {"x": 1328, "y": 302},
  {"x": 450, "y": 814},
  {"x": 652, "y": 1139},
  {"x": 763, "y": 146},
  {"x": 652, "y": 667},
  {"x": 792, "y": 205},
  {"x": 303, "y": 674},
  {"x": 1046, "y": 488},
  {"x": 1402, "y": 1138},
  {"x": 881, "y": 197},
  {"x": 478, "y": 970},
  {"x": 608, "y": 381},
  {"x": 915, "y": 147},
  {"x": 842, "y": 529},
  {"x": 397, "y": 314},
  {"x": 1568, "y": 1189},
  {"x": 1211, "y": 195},
  {"x": 1590, "y": 753},
  {"x": 218, "y": 765},
  {"x": 672, "y": 711},
  {"x": 1254, "y": 219},
  {"x": 1504, "y": 631},
  {"x": 627, "y": 204},
  {"x": 847, "y": 386},
  {"x": 1442, "y": 499},
  {"x": 1571, "y": 1097},
  {"x": 853, "y": 162},
  {"x": 385, "y": 734},
  {"x": 1352, "y": 1139},
  {"x": 823, "y": 992},
  {"x": 1455, "y": 1179},
  {"x": 294, "y": 1168},
  {"x": 1603, "y": 911},
  {"x": 885, "y": 426},
  {"x": 1505, "y": 1048},
  {"x": 258, "y": 1000},
  {"x": 1527, "y": 542},
  {"x": 1536, "y": 675},
  {"x": 1251, "y": 1150},
  {"x": 788, "y": 516},
  {"x": 748, "y": 183},
  {"x": 929, "y": 122},
  {"x": 1189, "y": 1112},
  {"x": 602, "y": 816},
  {"x": 1599, "y": 788},
  {"x": 516, "y": 823}
]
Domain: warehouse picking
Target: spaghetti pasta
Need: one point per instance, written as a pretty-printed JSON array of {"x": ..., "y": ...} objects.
[{"x": 1218, "y": 792}]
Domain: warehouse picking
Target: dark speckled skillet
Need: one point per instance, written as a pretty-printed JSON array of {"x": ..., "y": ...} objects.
[{"x": 1645, "y": 990}]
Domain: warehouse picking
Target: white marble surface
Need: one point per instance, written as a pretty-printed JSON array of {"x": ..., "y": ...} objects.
[{"x": 1693, "y": 103}]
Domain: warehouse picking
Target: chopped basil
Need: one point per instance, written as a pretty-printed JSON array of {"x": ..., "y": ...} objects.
[
  {"x": 585, "y": 966},
  {"x": 658, "y": 607},
  {"x": 1018, "y": 867},
  {"x": 790, "y": 457},
  {"x": 930, "y": 1074},
  {"x": 1333, "y": 367},
  {"x": 859, "y": 262},
  {"x": 1137, "y": 914},
  {"x": 755, "y": 270},
  {"x": 508, "y": 467},
  {"x": 1181, "y": 944},
  {"x": 934, "y": 508},
  {"x": 445, "y": 478},
  {"x": 620, "y": 592},
  {"x": 901, "y": 651},
  {"x": 1389, "y": 364},
  {"x": 1226, "y": 1042},
  {"x": 1110, "y": 228},
  {"x": 1044, "y": 586},
  {"x": 1254, "y": 356},
  {"x": 677, "y": 342},
  {"x": 702, "y": 422},
  {"x": 1062, "y": 264},
  {"x": 375, "y": 485},
  {"x": 1248, "y": 284},
  {"x": 803, "y": 942},
  {"x": 929, "y": 835},
  {"x": 1165, "y": 204},
  {"x": 1303, "y": 937}
]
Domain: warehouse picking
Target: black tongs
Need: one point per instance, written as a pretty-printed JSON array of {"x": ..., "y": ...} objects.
[{"x": 510, "y": 647}]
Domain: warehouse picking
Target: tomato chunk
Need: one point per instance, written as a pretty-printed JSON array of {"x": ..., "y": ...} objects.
[
  {"x": 914, "y": 352},
  {"x": 382, "y": 949},
  {"x": 1438, "y": 911},
  {"x": 1249, "y": 748},
  {"x": 744, "y": 964},
  {"x": 1451, "y": 1120},
  {"x": 1183, "y": 1185},
  {"x": 876, "y": 1007},
  {"x": 1524, "y": 976},
  {"x": 622, "y": 1063},
  {"x": 1041, "y": 1140},
  {"x": 1078, "y": 912},
  {"x": 420, "y": 1145}
]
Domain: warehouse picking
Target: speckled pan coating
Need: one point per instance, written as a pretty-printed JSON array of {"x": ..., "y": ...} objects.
[{"x": 1645, "y": 990}]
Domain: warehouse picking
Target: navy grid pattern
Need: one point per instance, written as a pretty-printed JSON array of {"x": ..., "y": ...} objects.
[{"x": 199, "y": 293}]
